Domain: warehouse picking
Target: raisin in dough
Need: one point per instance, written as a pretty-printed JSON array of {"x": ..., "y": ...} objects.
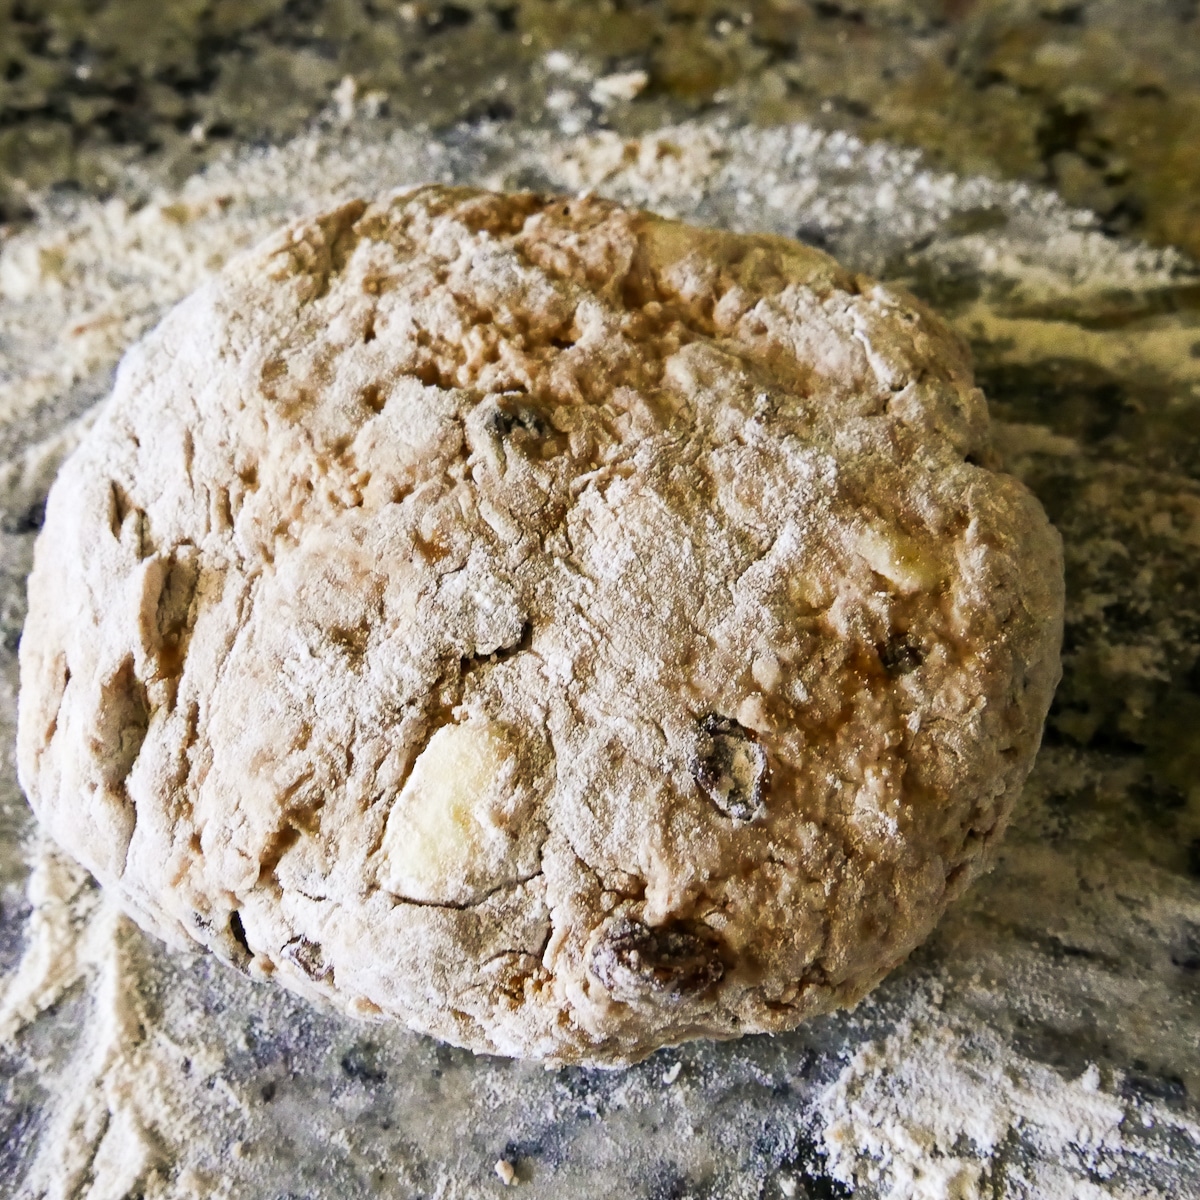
[{"x": 562, "y": 629}]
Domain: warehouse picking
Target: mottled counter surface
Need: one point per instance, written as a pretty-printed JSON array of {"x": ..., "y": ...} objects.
[
  {"x": 1099, "y": 98},
  {"x": 1046, "y": 1042}
]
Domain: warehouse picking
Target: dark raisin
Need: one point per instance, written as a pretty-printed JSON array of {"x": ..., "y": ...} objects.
[
  {"x": 676, "y": 960},
  {"x": 308, "y": 957},
  {"x": 730, "y": 767},
  {"x": 505, "y": 417},
  {"x": 901, "y": 654}
]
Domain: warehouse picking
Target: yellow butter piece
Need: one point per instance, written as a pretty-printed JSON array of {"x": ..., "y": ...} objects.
[
  {"x": 441, "y": 830},
  {"x": 902, "y": 560}
]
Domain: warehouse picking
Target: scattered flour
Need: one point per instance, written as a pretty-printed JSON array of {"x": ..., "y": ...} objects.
[
  {"x": 921, "y": 1113},
  {"x": 120, "y": 1113},
  {"x": 164, "y": 1088},
  {"x": 61, "y": 943}
]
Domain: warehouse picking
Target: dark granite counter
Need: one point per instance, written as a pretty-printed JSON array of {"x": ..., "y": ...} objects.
[
  {"x": 1098, "y": 98},
  {"x": 1046, "y": 1041}
]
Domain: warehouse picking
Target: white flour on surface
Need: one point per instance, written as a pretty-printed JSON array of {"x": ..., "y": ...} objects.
[
  {"x": 922, "y": 1111},
  {"x": 978, "y": 1070}
]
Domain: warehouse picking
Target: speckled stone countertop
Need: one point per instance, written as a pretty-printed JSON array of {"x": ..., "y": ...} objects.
[
  {"x": 1099, "y": 98},
  {"x": 1046, "y": 1041}
]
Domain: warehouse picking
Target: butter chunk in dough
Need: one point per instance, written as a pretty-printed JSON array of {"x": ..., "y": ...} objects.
[{"x": 448, "y": 836}]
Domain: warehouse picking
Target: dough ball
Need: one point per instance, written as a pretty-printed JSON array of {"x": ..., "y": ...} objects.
[{"x": 563, "y": 630}]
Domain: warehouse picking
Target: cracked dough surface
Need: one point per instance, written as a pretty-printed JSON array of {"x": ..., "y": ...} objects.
[{"x": 562, "y": 629}]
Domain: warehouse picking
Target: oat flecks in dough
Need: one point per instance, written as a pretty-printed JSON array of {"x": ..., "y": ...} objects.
[{"x": 564, "y": 630}]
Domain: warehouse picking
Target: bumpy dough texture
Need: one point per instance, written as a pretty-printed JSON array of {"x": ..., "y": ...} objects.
[{"x": 565, "y": 630}]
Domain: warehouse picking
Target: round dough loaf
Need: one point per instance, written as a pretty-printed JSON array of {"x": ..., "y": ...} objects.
[{"x": 563, "y": 629}]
